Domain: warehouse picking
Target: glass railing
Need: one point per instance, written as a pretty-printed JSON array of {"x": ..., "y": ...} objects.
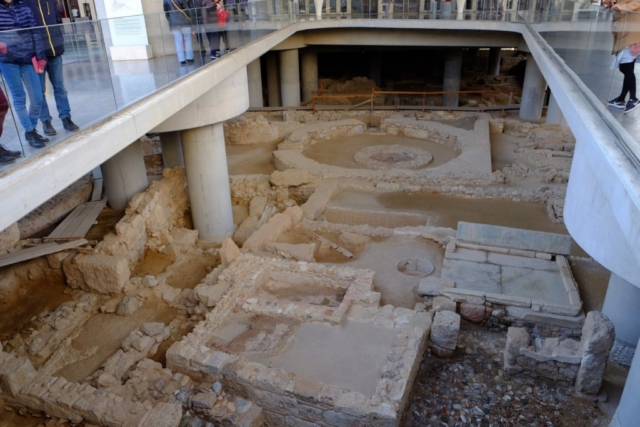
[{"x": 105, "y": 67}]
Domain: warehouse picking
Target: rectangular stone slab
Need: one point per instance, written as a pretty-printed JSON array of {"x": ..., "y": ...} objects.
[{"x": 514, "y": 238}]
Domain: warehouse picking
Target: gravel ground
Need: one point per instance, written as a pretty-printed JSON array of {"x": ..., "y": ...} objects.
[{"x": 471, "y": 389}]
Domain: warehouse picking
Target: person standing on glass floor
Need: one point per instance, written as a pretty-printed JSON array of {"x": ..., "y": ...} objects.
[{"x": 48, "y": 17}]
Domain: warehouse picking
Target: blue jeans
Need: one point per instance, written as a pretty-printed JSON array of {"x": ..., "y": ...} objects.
[
  {"x": 15, "y": 75},
  {"x": 54, "y": 70},
  {"x": 184, "y": 44}
]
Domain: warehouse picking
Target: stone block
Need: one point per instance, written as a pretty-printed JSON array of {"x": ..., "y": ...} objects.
[
  {"x": 465, "y": 254},
  {"x": 430, "y": 286},
  {"x": 164, "y": 415},
  {"x": 354, "y": 239},
  {"x": 442, "y": 304},
  {"x": 445, "y": 329},
  {"x": 517, "y": 338},
  {"x": 597, "y": 339},
  {"x": 473, "y": 312},
  {"x": 257, "y": 205},
  {"x": 315, "y": 205},
  {"x": 299, "y": 252},
  {"x": 472, "y": 276},
  {"x": 515, "y": 238},
  {"x": 510, "y": 300},
  {"x": 291, "y": 178},
  {"x": 228, "y": 251},
  {"x": 15, "y": 373},
  {"x": 295, "y": 213},
  {"x": 521, "y": 262},
  {"x": 464, "y": 295},
  {"x": 210, "y": 295},
  {"x": 152, "y": 328},
  {"x": 9, "y": 238},
  {"x": 103, "y": 274},
  {"x": 246, "y": 229},
  {"x": 269, "y": 232},
  {"x": 127, "y": 306}
]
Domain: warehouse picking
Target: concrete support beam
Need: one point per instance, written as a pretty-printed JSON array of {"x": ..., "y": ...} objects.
[
  {"x": 452, "y": 71},
  {"x": 532, "y": 91},
  {"x": 628, "y": 411},
  {"x": 309, "y": 74},
  {"x": 125, "y": 175},
  {"x": 290, "y": 78},
  {"x": 208, "y": 182},
  {"x": 554, "y": 114},
  {"x": 273, "y": 80},
  {"x": 254, "y": 78},
  {"x": 172, "y": 155},
  {"x": 493, "y": 65},
  {"x": 622, "y": 307}
]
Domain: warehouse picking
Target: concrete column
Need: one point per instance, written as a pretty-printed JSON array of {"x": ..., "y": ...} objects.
[
  {"x": 532, "y": 91},
  {"x": 622, "y": 306},
  {"x": 452, "y": 71},
  {"x": 125, "y": 175},
  {"x": 628, "y": 411},
  {"x": 375, "y": 68},
  {"x": 208, "y": 180},
  {"x": 309, "y": 74},
  {"x": 273, "y": 80},
  {"x": 172, "y": 155},
  {"x": 254, "y": 77},
  {"x": 290, "y": 78},
  {"x": 493, "y": 65},
  {"x": 554, "y": 114}
]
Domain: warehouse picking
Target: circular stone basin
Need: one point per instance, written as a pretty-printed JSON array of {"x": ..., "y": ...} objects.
[
  {"x": 393, "y": 157},
  {"x": 417, "y": 267}
]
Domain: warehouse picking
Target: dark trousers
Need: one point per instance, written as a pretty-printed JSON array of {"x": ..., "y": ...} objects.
[
  {"x": 214, "y": 40},
  {"x": 4, "y": 108},
  {"x": 629, "y": 81}
]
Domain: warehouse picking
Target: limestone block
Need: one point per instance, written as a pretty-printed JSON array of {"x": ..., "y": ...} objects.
[
  {"x": 517, "y": 338},
  {"x": 103, "y": 274},
  {"x": 152, "y": 328},
  {"x": 257, "y": 205},
  {"x": 55, "y": 260},
  {"x": 202, "y": 401},
  {"x": 472, "y": 275},
  {"x": 349, "y": 238},
  {"x": 15, "y": 373},
  {"x": 131, "y": 230},
  {"x": 210, "y": 295},
  {"x": 430, "y": 286},
  {"x": 515, "y": 238},
  {"x": 295, "y": 213},
  {"x": 246, "y": 229},
  {"x": 291, "y": 178},
  {"x": 184, "y": 237},
  {"x": 169, "y": 294},
  {"x": 269, "y": 232},
  {"x": 228, "y": 251},
  {"x": 445, "y": 329},
  {"x": 251, "y": 417},
  {"x": 300, "y": 252},
  {"x": 9, "y": 238},
  {"x": 472, "y": 312},
  {"x": 597, "y": 339},
  {"x": 128, "y": 306},
  {"x": 316, "y": 204},
  {"x": 442, "y": 304}
]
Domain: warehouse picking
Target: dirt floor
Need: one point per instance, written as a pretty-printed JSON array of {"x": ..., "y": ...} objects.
[{"x": 471, "y": 389}]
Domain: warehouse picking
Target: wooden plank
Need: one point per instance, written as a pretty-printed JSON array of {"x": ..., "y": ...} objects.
[
  {"x": 94, "y": 209},
  {"x": 38, "y": 251},
  {"x": 59, "y": 231},
  {"x": 97, "y": 190}
]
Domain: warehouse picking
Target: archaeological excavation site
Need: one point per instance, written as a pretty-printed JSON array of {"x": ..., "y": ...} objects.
[{"x": 385, "y": 268}]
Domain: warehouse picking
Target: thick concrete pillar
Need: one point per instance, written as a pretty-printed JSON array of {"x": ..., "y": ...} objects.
[
  {"x": 375, "y": 68},
  {"x": 254, "y": 78},
  {"x": 172, "y": 155},
  {"x": 532, "y": 91},
  {"x": 125, "y": 175},
  {"x": 290, "y": 78},
  {"x": 493, "y": 65},
  {"x": 208, "y": 180},
  {"x": 452, "y": 71},
  {"x": 628, "y": 411},
  {"x": 622, "y": 307},
  {"x": 309, "y": 74},
  {"x": 273, "y": 80},
  {"x": 554, "y": 114}
]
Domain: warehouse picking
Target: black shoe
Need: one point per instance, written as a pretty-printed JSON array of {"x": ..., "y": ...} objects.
[
  {"x": 183, "y": 62},
  {"x": 47, "y": 128},
  {"x": 68, "y": 124},
  {"x": 5, "y": 160},
  {"x": 190, "y": 61},
  {"x": 4, "y": 152},
  {"x": 35, "y": 139}
]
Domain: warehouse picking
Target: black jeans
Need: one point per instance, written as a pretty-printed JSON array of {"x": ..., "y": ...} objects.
[{"x": 629, "y": 82}]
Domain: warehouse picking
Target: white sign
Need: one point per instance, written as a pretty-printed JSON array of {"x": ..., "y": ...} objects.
[{"x": 126, "y": 22}]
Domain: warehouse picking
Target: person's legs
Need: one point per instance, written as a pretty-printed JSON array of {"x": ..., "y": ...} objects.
[
  {"x": 628, "y": 82},
  {"x": 4, "y": 108},
  {"x": 188, "y": 42},
  {"x": 45, "y": 116},
  {"x": 225, "y": 39},
  {"x": 214, "y": 42},
  {"x": 54, "y": 70},
  {"x": 34, "y": 89},
  {"x": 13, "y": 77},
  {"x": 177, "y": 36}
]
